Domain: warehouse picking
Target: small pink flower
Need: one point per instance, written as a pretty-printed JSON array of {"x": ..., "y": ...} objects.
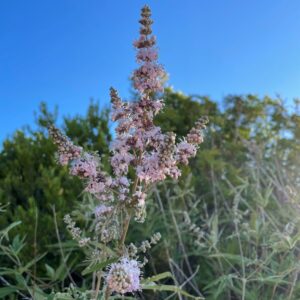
[
  {"x": 140, "y": 197},
  {"x": 124, "y": 276},
  {"x": 84, "y": 167},
  {"x": 102, "y": 209},
  {"x": 185, "y": 151},
  {"x": 120, "y": 162}
]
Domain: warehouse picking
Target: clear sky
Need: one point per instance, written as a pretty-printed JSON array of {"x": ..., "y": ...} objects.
[{"x": 66, "y": 51}]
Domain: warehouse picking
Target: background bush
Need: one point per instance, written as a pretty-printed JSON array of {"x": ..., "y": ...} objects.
[{"x": 229, "y": 226}]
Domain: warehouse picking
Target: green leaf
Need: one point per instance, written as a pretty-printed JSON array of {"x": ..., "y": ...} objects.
[
  {"x": 17, "y": 244},
  {"x": 122, "y": 298},
  {"x": 214, "y": 230},
  {"x": 98, "y": 267},
  {"x": 270, "y": 279},
  {"x": 63, "y": 296},
  {"x": 61, "y": 272},
  {"x": 37, "y": 293},
  {"x": 169, "y": 288},
  {"x": 5, "y": 231},
  {"x": 22, "y": 284},
  {"x": 103, "y": 247},
  {"x": 50, "y": 272},
  {"x": 5, "y": 291},
  {"x": 7, "y": 271},
  {"x": 233, "y": 257},
  {"x": 157, "y": 277},
  {"x": 219, "y": 285},
  {"x": 31, "y": 263},
  {"x": 64, "y": 245}
]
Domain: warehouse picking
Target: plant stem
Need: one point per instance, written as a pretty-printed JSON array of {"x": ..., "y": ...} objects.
[
  {"x": 129, "y": 215},
  {"x": 291, "y": 291},
  {"x": 124, "y": 233},
  {"x": 98, "y": 285},
  {"x": 107, "y": 293}
]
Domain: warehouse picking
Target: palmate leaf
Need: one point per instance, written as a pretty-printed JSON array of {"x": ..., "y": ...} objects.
[
  {"x": 218, "y": 286},
  {"x": 37, "y": 293},
  {"x": 62, "y": 272},
  {"x": 18, "y": 244},
  {"x": 98, "y": 267},
  {"x": 168, "y": 288},
  {"x": 31, "y": 263},
  {"x": 4, "y": 232},
  {"x": 21, "y": 282}
]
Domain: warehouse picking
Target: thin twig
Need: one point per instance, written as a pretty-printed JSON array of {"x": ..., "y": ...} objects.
[
  {"x": 188, "y": 279},
  {"x": 99, "y": 276},
  {"x": 293, "y": 285}
]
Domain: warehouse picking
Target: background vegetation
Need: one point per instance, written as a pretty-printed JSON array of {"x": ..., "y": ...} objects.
[{"x": 230, "y": 226}]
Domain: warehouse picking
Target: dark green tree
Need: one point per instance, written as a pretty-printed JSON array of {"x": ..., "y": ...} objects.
[{"x": 31, "y": 180}]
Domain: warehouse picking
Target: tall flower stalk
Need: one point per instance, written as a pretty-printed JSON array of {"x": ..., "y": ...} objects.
[{"x": 141, "y": 155}]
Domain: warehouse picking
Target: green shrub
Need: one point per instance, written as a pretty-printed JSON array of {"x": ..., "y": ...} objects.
[
  {"x": 234, "y": 214},
  {"x": 30, "y": 178}
]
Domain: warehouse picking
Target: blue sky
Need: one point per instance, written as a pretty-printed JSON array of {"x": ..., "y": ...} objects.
[{"x": 66, "y": 51}]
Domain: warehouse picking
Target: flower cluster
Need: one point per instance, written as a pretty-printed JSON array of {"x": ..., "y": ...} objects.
[
  {"x": 124, "y": 276},
  {"x": 82, "y": 164},
  {"x": 102, "y": 209},
  {"x": 141, "y": 155},
  {"x": 187, "y": 148},
  {"x": 66, "y": 149},
  {"x": 84, "y": 167},
  {"x": 76, "y": 231},
  {"x": 148, "y": 77}
]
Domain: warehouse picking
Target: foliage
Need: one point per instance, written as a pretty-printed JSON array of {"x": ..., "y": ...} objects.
[
  {"x": 217, "y": 176},
  {"x": 30, "y": 179},
  {"x": 247, "y": 246},
  {"x": 260, "y": 177},
  {"x": 243, "y": 228}
]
